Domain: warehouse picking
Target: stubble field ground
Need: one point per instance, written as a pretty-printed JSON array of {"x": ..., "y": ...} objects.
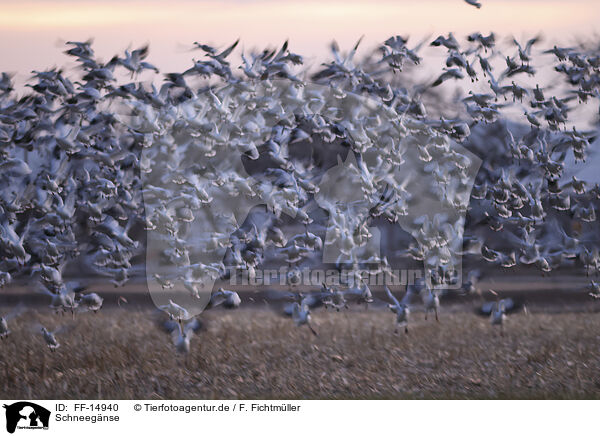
[{"x": 254, "y": 353}]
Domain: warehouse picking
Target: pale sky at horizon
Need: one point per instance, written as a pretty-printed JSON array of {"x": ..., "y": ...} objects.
[{"x": 32, "y": 32}]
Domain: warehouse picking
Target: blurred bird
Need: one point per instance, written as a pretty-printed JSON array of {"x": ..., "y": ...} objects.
[
  {"x": 474, "y": 3},
  {"x": 400, "y": 309}
]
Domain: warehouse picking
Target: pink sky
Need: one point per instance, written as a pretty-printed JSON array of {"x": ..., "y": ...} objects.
[{"x": 32, "y": 31}]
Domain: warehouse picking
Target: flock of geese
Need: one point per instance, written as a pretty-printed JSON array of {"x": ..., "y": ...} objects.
[{"x": 104, "y": 177}]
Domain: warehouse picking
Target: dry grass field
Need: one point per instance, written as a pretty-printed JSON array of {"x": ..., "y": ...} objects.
[{"x": 254, "y": 353}]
